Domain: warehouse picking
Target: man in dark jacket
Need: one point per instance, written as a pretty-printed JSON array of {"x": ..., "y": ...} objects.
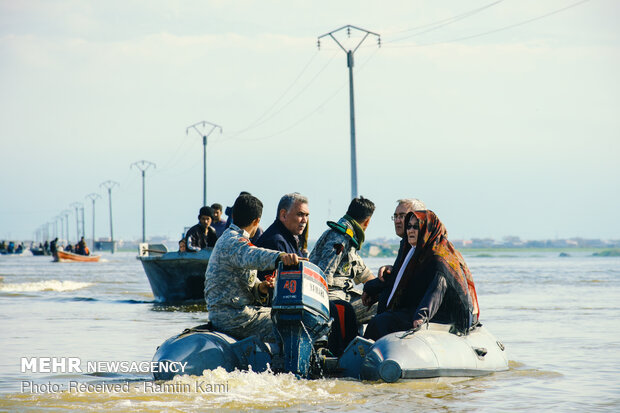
[
  {"x": 291, "y": 221},
  {"x": 201, "y": 235}
]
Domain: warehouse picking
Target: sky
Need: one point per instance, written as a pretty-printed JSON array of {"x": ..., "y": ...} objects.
[{"x": 503, "y": 116}]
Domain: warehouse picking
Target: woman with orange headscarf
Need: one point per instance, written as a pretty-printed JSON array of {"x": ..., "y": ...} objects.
[{"x": 432, "y": 284}]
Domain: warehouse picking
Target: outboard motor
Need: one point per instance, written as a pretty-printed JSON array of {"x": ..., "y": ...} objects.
[{"x": 300, "y": 313}]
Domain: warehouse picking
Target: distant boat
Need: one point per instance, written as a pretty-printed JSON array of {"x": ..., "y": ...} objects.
[
  {"x": 174, "y": 276},
  {"x": 39, "y": 251},
  {"x": 65, "y": 256}
]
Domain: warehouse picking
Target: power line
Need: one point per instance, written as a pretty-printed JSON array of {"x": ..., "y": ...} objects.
[
  {"x": 259, "y": 119},
  {"x": 290, "y": 101},
  {"x": 177, "y": 156},
  {"x": 303, "y": 117},
  {"x": 444, "y": 22},
  {"x": 521, "y": 23}
]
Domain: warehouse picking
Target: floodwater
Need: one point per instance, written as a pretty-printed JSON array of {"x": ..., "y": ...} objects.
[{"x": 558, "y": 318}]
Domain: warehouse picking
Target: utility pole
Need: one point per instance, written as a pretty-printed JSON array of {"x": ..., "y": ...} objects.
[
  {"x": 66, "y": 213},
  {"x": 109, "y": 185},
  {"x": 142, "y": 166},
  {"x": 351, "y": 100},
  {"x": 204, "y": 150},
  {"x": 77, "y": 205},
  {"x": 83, "y": 222},
  {"x": 93, "y": 197}
]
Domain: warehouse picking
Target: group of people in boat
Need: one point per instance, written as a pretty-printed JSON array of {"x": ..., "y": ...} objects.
[
  {"x": 46, "y": 248},
  {"x": 80, "y": 247},
  {"x": 11, "y": 248},
  {"x": 209, "y": 228},
  {"x": 429, "y": 280}
]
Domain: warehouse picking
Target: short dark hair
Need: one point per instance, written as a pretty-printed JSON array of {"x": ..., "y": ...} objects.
[
  {"x": 360, "y": 209},
  {"x": 217, "y": 207},
  {"x": 246, "y": 209},
  {"x": 205, "y": 210}
]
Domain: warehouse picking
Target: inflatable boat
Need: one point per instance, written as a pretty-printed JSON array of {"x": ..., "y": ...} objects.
[{"x": 300, "y": 312}]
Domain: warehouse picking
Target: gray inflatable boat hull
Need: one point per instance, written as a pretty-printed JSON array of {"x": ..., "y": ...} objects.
[{"x": 432, "y": 351}]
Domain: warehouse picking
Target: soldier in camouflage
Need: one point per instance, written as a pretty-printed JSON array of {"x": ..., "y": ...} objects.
[
  {"x": 235, "y": 297},
  {"x": 336, "y": 253}
]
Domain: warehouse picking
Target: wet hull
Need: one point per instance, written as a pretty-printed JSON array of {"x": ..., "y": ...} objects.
[
  {"x": 177, "y": 277},
  {"x": 427, "y": 353},
  {"x": 434, "y": 352}
]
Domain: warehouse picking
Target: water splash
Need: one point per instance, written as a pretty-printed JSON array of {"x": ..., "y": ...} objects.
[{"x": 50, "y": 285}]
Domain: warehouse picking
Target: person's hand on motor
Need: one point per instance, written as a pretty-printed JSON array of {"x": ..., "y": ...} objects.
[{"x": 289, "y": 259}]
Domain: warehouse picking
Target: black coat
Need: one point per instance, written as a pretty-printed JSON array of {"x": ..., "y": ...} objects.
[
  {"x": 196, "y": 239},
  {"x": 277, "y": 237},
  {"x": 427, "y": 294}
]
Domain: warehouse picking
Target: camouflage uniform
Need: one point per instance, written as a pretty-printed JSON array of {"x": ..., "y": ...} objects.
[
  {"x": 231, "y": 287},
  {"x": 336, "y": 254}
]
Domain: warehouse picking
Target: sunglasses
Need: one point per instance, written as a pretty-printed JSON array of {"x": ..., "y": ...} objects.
[{"x": 415, "y": 226}]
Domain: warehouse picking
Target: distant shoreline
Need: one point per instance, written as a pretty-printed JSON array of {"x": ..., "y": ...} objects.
[
  {"x": 537, "y": 249},
  {"x": 391, "y": 251}
]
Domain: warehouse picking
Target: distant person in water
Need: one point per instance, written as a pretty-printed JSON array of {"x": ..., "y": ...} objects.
[
  {"x": 218, "y": 224},
  {"x": 433, "y": 282},
  {"x": 201, "y": 235}
]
